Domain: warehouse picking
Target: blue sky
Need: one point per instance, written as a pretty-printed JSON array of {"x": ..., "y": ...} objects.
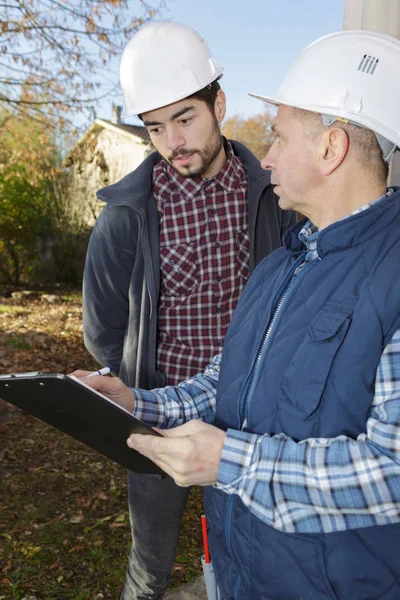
[{"x": 255, "y": 41}]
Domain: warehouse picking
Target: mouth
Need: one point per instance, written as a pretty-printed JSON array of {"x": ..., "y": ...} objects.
[{"x": 184, "y": 159}]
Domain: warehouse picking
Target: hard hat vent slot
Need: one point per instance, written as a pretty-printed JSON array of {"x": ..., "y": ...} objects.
[{"x": 368, "y": 64}]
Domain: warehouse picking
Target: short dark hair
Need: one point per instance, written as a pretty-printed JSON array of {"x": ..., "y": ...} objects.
[{"x": 207, "y": 94}]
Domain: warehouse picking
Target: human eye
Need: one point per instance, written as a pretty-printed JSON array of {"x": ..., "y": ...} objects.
[
  {"x": 154, "y": 130},
  {"x": 186, "y": 120},
  {"x": 273, "y": 135}
]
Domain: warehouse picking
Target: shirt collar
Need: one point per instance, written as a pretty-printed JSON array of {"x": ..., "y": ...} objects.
[{"x": 309, "y": 233}]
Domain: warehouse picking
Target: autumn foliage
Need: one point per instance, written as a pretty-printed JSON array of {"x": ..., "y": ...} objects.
[
  {"x": 255, "y": 132},
  {"x": 36, "y": 216}
]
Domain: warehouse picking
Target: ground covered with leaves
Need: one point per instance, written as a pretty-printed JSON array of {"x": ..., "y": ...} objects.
[{"x": 64, "y": 525}]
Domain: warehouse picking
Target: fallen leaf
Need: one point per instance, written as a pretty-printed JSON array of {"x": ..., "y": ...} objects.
[
  {"x": 116, "y": 525},
  {"x": 75, "y": 519}
]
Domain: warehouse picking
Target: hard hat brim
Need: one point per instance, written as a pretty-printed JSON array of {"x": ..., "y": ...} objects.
[
  {"x": 269, "y": 99},
  {"x": 186, "y": 94}
]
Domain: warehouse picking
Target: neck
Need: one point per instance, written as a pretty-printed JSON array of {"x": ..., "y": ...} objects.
[
  {"x": 217, "y": 164},
  {"x": 343, "y": 200}
]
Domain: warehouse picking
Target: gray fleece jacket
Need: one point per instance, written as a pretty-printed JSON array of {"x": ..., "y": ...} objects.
[{"x": 122, "y": 271}]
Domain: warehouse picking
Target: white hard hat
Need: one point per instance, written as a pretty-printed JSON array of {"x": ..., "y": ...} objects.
[
  {"x": 352, "y": 75},
  {"x": 163, "y": 63}
]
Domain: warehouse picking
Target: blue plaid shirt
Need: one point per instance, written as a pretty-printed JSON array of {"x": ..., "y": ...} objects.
[{"x": 352, "y": 482}]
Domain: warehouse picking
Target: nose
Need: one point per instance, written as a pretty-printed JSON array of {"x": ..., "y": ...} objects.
[
  {"x": 268, "y": 162},
  {"x": 175, "y": 138}
]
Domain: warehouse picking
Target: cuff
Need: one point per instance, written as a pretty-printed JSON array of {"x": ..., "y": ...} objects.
[{"x": 236, "y": 458}]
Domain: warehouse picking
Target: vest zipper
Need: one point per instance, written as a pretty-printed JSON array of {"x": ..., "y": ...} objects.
[
  {"x": 276, "y": 307},
  {"x": 237, "y": 586}
]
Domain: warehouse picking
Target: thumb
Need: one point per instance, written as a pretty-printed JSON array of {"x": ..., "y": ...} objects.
[
  {"x": 171, "y": 433},
  {"x": 189, "y": 428},
  {"x": 106, "y": 385}
]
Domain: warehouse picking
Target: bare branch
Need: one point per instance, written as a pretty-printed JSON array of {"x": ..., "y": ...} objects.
[{"x": 54, "y": 54}]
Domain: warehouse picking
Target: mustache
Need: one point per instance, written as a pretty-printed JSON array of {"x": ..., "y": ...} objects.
[{"x": 183, "y": 152}]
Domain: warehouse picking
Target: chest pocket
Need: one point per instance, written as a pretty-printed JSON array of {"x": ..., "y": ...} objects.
[
  {"x": 178, "y": 270},
  {"x": 305, "y": 378}
]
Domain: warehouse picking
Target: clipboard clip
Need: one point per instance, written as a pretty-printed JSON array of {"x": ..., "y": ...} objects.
[{"x": 17, "y": 375}]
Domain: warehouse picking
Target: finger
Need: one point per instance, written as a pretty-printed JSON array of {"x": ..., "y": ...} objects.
[
  {"x": 97, "y": 382},
  {"x": 147, "y": 450},
  {"x": 174, "y": 452},
  {"x": 163, "y": 432},
  {"x": 184, "y": 430},
  {"x": 147, "y": 444},
  {"x": 79, "y": 374},
  {"x": 170, "y": 463},
  {"x": 105, "y": 384}
]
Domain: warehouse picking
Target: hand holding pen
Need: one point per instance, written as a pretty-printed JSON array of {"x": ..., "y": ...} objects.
[
  {"x": 112, "y": 387},
  {"x": 103, "y": 371}
]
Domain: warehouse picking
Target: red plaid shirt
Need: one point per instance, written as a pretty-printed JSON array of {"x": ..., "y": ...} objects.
[{"x": 204, "y": 261}]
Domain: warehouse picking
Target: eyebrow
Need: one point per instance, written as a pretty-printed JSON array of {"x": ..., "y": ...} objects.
[{"x": 174, "y": 116}]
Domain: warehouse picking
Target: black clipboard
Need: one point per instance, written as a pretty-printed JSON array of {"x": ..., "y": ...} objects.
[{"x": 81, "y": 412}]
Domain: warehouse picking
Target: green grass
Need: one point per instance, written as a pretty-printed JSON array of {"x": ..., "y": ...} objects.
[
  {"x": 18, "y": 342},
  {"x": 6, "y": 308},
  {"x": 72, "y": 298}
]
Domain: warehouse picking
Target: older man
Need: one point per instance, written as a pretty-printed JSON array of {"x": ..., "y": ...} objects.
[{"x": 303, "y": 457}]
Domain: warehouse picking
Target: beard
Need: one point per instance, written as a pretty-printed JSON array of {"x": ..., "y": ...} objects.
[{"x": 207, "y": 155}]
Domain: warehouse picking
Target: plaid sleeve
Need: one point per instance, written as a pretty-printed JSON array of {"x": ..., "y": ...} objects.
[
  {"x": 324, "y": 485},
  {"x": 173, "y": 405}
]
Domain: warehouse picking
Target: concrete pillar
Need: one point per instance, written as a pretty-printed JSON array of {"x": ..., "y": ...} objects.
[
  {"x": 382, "y": 16},
  {"x": 373, "y": 15}
]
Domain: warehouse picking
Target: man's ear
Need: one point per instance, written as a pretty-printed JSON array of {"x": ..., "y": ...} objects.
[
  {"x": 333, "y": 149},
  {"x": 220, "y": 106}
]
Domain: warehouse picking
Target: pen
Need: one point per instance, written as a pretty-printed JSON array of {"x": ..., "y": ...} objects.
[
  {"x": 205, "y": 539},
  {"x": 103, "y": 371}
]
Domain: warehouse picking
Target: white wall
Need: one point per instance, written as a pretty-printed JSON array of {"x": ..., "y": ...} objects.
[
  {"x": 122, "y": 154},
  {"x": 103, "y": 157}
]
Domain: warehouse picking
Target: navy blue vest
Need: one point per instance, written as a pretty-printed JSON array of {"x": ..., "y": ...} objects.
[{"x": 316, "y": 380}]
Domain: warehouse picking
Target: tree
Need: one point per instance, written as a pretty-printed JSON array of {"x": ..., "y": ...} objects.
[
  {"x": 36, "y": 218},
  {"x": 255, "y": 132},
  {"x": 54, "y": 53},
  {"x": 21, "y": 224},
  {"x": 28, "y": 157}
]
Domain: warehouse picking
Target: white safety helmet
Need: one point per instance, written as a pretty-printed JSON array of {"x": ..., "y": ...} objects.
[
  {"x": 163, "y": 63},
  {"x": 351, "y": 76}
]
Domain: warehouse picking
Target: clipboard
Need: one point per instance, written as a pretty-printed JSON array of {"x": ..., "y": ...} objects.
[{"x": 81, "y": 412}]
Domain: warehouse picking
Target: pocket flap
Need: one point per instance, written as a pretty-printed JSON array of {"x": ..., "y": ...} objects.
[{"x": 328, "y": 322}]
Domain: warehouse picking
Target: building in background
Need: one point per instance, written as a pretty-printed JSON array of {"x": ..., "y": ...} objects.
[{"x": 107, "y": 151}]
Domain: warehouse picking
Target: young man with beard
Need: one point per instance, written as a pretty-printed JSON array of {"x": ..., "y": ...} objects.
[{"x": 170, "y": 255}]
